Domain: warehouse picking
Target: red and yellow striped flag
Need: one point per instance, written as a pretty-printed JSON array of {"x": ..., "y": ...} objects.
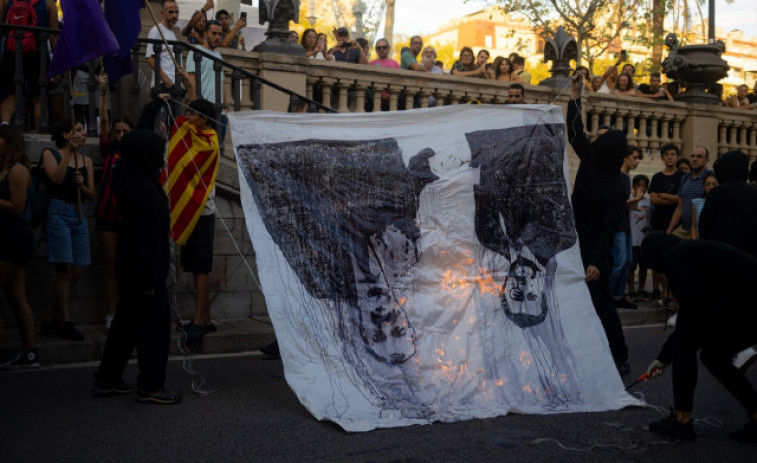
[{"x": 192, "y": 164}]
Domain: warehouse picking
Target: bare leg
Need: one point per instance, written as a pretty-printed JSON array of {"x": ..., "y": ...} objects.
[
  {"x": 202, "y": 299},
  {"x": 66, "y": 276},
  {"x": 7, "y": 108},
  {"x": 108, "y": 243},
  {"x": 16, "y": 295}
]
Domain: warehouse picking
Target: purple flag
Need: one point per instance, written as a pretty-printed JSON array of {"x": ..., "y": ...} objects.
[
  {"x": 123, "y": 18},
  {"x": 84, "y": 37}
]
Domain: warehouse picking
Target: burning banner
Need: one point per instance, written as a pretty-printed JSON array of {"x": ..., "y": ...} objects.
[{"x": 423, "y": 265}]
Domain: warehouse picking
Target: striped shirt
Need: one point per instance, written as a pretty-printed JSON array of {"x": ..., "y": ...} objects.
[{"x": 690, "y": 188}]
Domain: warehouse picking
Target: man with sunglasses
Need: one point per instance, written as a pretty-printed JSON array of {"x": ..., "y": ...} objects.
[
  {"x": 383, "y": 60},
  {"x": 691, "y": 187}
]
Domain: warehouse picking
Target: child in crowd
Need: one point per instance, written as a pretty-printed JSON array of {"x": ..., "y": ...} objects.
[
  {"x": 640, "y": 211},
  {"x": 709, "y": 182}
]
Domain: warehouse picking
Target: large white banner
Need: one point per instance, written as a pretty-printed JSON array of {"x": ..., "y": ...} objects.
[{"x": 423, "y": 265}]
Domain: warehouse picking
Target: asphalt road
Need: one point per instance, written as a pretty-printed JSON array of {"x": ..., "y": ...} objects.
[{"x": 47, "y": 415}]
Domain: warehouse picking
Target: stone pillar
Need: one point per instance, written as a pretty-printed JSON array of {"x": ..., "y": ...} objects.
[{"x": 700, "y": 128}]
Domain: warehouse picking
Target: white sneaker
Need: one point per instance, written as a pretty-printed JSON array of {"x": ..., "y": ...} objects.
[
  {"x": 672, "y": 320},
  {"x": 108, "y": 321},
  {"x": 744, "y": 359}
]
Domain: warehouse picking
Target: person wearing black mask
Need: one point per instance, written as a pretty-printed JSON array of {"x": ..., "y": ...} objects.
[
  {"x": 599, "y": 202},
  {"x": 142, "y": 261},
  {"x": 717, "y": 315}
]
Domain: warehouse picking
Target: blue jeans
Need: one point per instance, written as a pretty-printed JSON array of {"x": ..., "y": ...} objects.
[{"x": 622, "y": 257}]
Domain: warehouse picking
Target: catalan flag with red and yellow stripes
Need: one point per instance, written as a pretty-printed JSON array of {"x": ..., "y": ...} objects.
[{"x": 192, "y": 164}]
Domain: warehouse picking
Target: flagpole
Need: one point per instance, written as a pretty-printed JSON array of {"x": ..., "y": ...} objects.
[
  {"x": 157, "y": 26},
  {"x": 76, "y": 154}
]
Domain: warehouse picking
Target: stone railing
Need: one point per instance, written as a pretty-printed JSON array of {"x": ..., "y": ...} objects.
[{"x": 649, "y": 124}]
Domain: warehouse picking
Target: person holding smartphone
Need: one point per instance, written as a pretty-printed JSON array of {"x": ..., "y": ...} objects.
[{"x": 346, "y": 50}]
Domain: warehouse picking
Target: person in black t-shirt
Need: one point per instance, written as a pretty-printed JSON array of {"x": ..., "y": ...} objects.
[
  {"x": 654, "y": 89},
  {"x": 663, "y": 191}
]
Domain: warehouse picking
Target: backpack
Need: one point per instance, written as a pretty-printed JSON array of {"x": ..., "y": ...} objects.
[
  {"x": 22, "y": 13},
  {"x": 40, "y": 196}
]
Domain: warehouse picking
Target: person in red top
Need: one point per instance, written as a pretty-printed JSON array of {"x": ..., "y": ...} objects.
[{"x": 107, "y": 218}]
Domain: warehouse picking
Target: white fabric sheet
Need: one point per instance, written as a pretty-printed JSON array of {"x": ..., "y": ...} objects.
[{"x": 422, "y": 265}]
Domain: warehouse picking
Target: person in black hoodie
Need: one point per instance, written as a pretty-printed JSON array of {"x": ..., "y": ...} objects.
[
  {"x": 717, "y": 313},
  {"x": 599, "y": 203},
  {"x": 142, "y": 260},
  {"x": 730, "y": 213}
]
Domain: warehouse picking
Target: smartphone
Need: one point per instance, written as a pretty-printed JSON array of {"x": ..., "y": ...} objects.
[
  {"x": 243, "y": 15},
  {"x": 623, "y": 54}
]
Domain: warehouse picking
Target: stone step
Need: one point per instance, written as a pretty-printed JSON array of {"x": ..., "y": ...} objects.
[{"x": 233, "y": 335}]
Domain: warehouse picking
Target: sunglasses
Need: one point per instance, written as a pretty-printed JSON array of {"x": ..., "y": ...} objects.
[{"x": 382, "y": 47}]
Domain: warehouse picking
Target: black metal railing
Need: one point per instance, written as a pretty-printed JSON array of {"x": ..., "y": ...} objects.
[{"x": 64, "y": 84}]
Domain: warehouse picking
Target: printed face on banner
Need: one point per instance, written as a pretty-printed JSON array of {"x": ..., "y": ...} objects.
[{"x": 409, "y": 294}]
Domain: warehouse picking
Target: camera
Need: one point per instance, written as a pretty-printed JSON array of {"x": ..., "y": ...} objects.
[{"x": 243, "y": 15}]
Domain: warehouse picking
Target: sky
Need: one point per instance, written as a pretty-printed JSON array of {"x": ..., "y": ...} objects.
[{"x": 425, "y": 16}]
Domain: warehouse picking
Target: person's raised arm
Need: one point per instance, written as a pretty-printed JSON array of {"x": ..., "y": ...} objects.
[
  {"x": 241, "y": 24},
  {"x": 102, "y": 83},
  {"x": 576, "y": 135}
]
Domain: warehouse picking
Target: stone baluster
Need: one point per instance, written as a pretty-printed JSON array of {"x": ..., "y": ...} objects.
[
  {"x": 722, "y": 138},
  {"x": 309, "y": 83},
  {"x": 410, "y": 93},
  {"x": 359, "y": 97},
  {"x": 677, "y": 131},
  {"x": 594, "y": 117},
  {"x": 733, "y": 136},
  {"x": 632, "y": 135},
  {"x": 424, "y": 94},
  {"x": 394, "y": 92},
  {"x": 752, "y": 142},
  {"x": 606, "y": 118},
  {"x": 327, "y": 83},
  {"x": 454, "y": 97},
  {"x": 377, "y": 90},
  {"x": 743, "y": 137},
  {"x": 619, "y": 119},
  {"x": 344, "y": 86},
  {"x": 654, "y": 139},
  {"x": 643, "y": 137},
  {"x": 664, "y": 132}
]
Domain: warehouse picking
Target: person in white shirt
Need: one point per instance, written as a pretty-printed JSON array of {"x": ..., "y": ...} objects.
[{"x": 169, "y": 14}]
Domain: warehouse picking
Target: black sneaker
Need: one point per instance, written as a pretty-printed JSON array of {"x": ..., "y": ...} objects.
[
  {"x": 623, "y": 368},
  {"x": 194, "y": 333},
  {"x": 624, "y": 303},
  {"x": 746, "y": 434},
  {"x": 69, "y": 333},
  {"x": 103, "y": 389},
  {"x": 25, "y": 359},
  {"x": 670, "y": 427},
  {"x": 271, "y": 350},
  {"x": 162, "y": 396}
]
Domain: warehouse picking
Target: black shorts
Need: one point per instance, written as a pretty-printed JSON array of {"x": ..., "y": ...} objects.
[
  {"x": 107, "y": 225},
  {"x": 197, "y": 253},
  {"x": 16, "y": 243},
  {"x": 30, "y": 64}
]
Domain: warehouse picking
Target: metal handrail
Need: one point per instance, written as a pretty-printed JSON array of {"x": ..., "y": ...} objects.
[{"x": 237, "y": 74}]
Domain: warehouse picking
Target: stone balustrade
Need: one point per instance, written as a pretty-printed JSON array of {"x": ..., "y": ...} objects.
[{"x": 357, "y": 88}]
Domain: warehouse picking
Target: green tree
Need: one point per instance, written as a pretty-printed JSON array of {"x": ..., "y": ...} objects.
[{"x": 597, "y": 25}]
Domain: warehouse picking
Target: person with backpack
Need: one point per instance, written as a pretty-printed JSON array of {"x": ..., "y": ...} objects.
[
  {"x": 66, "y": 233},
  {"x": 34, "y": 13},
  {"x": 16, "y": 243}
]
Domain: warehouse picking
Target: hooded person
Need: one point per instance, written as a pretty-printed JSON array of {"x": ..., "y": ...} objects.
[
  {"x": 730, "y": 213},
  {"x": 599, "y": 202},
  {"x": 142, "y": 260},
  {"x": 717, "y": 314}
]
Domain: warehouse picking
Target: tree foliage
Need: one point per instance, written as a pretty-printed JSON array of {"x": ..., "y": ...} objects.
[{"x": 597, "y": 25}]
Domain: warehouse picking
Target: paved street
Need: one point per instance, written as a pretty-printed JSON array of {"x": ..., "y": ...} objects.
[{"x": 47, "y": 415}]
